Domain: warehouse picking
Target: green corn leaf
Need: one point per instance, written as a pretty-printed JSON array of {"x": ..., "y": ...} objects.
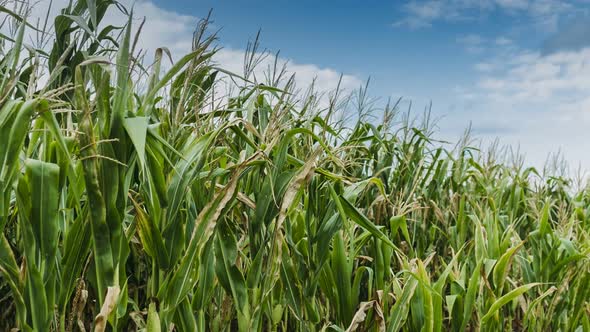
[
  {"x": 137, "y": 130},
  {"x": 439, "y": 287},
  {"x": 151, "y": 237},
  {"x": 401, "y": 308},
  {"x": 228, "y": 273},
  {"x": 502, "y": 267},
  {"x": 355, "y": 215},
  {"x": 499, "y": 303},
  {"x": 471, "y": 294},
  {"x": 43, "y": 179}
]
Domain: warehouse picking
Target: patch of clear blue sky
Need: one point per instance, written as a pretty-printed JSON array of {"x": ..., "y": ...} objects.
[{"x": 360, "y": 38}]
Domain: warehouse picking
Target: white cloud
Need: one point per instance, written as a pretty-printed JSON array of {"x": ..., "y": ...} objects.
[
  {"x": 325, "y": 78},
  {"x": 420, "y": 14},
  {"x": 503, "y": 41},
  {"x": 513, "y": 4},
  {"x": 529, "y": 76},
  {"x": 477, "y": 44},
  {"x": 484, "y": 67},
  {"x": 473, "y": 43},
  {"x": 539, "y": 102}
]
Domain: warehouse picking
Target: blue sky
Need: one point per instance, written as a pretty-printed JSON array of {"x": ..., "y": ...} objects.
[{"x": 517, "y": 70}]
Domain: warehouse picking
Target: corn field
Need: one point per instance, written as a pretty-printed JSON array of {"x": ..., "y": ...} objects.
[{"x": 142, "y": 195}]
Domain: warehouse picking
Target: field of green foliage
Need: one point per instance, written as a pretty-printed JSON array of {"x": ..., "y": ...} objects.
[{"x": 141, "y": 195}]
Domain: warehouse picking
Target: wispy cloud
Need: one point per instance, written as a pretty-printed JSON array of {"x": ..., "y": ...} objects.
[
  {"x": 538, "y": 101},
  {"x": 324, "y": 79},
  {"x": 532, "y": 76},
  {"x": 420, "y": 14},
  {"x": 472, "y": 43},
  {"x": 477, "y": 44}
]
